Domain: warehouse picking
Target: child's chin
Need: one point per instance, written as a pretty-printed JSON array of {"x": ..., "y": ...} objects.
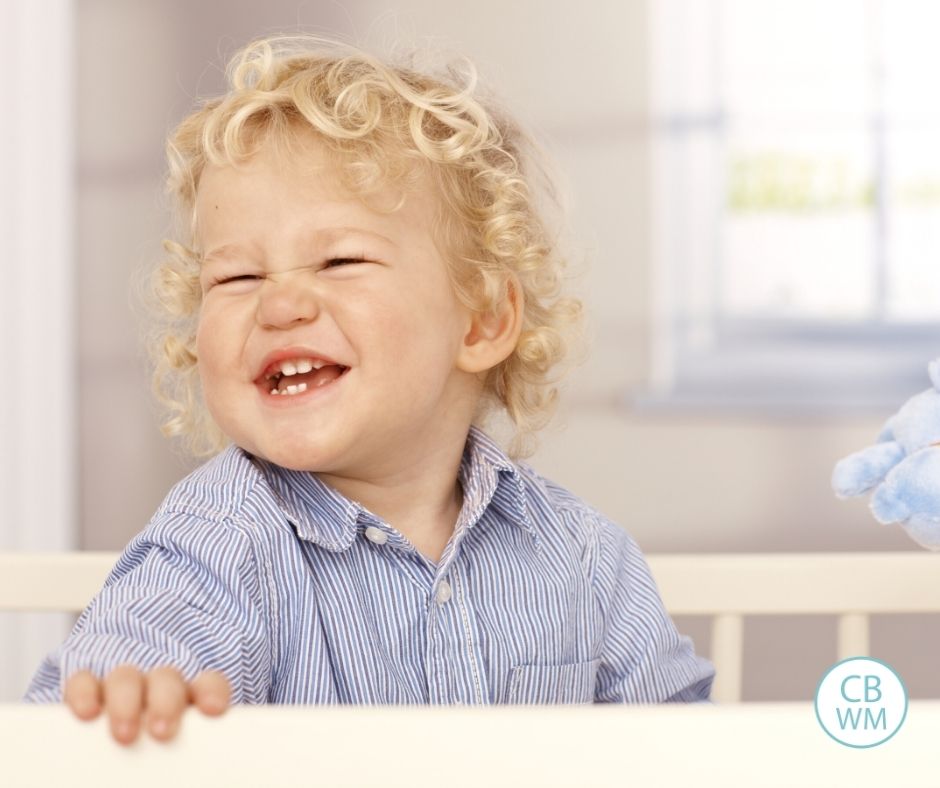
[{"x": 295, "y": 458}]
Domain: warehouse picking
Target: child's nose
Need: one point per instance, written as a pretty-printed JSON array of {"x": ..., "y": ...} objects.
[{"x": 285, "y": 303}]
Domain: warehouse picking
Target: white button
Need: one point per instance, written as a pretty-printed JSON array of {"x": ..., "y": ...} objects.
[
  {"x": 443, "y": 592},
  {"x": 376, "y": 535}
]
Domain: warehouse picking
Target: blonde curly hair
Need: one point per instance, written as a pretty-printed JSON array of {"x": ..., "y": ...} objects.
[{"x": 382, "y": 124}]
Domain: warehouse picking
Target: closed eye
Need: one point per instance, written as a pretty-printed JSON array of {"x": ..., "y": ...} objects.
[
  {"x": 239, "y": 278},
  {"x": 335, "y": 262}
]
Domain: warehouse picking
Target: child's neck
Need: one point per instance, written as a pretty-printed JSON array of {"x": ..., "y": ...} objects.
[{"x": 431, "y": 538}]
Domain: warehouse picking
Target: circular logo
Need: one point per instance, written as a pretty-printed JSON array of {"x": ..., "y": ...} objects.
[{"x": 861, "y": 702}]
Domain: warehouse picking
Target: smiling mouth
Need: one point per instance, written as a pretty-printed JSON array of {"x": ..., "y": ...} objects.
[{"x": 282, "y": 385}]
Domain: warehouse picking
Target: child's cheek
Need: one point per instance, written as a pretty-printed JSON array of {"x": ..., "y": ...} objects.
[{"x": 209, "y": 344}]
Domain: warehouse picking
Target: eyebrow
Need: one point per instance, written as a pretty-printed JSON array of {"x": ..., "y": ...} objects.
[{"x": 328, "y": 235}]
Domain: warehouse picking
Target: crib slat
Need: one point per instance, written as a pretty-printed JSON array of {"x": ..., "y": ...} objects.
[
  {"x": 727, "y": 654},
  {"x": 853, "y": 635}
]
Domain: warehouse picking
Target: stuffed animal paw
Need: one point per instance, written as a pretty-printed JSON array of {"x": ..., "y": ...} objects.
[{"x": 903, "y": 468}]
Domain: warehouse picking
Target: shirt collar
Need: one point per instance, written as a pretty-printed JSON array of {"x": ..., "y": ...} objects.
[{"x": 323, "y": 515}]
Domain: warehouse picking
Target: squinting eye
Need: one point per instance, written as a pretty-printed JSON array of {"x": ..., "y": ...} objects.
[
  {"x": 329, "y": 263},
  {"x": 239, "y": 278}
]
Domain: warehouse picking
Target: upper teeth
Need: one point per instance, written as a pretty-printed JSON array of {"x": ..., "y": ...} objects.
[{"x": 298, "y": 366}]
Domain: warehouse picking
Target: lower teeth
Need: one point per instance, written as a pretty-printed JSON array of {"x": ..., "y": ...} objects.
[
  {"x": 291, "y": 390},
  {"x": 300, "y": 388}
]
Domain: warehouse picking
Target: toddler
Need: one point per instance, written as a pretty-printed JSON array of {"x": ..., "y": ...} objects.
[{"x": 365, "y": 275}]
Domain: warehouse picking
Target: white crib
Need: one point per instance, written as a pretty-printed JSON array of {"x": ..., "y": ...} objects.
[
  {"x": 852, "y": 586},
  {"x": 757, "y": 745},
  {"x": 725, "y": 587}
]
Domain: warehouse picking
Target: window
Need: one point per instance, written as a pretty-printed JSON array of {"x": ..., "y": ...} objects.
[{"x": 796, "y": 172}]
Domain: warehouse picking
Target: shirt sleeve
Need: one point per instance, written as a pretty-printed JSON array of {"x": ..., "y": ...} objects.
[
  {"x": 184, "y": 593},
  {"x": 644, "y": 658}
]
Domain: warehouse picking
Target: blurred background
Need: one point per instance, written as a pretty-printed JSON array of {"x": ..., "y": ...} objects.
[{"x": 754, "y": 206}]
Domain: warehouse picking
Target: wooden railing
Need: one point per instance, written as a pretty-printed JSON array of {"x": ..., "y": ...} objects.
[
  {"x": 725, "y": 587},
  {"x": 743, "y": 745},
  {"x": 852, "y": 586}
]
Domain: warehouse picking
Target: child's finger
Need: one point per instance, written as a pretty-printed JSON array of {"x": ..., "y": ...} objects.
[
  {"x": 124, "y": 700},
  {"x": 210, "y": 692},
  {"x": 83, "y": 694},
  {"x": 166, "y": 699}
]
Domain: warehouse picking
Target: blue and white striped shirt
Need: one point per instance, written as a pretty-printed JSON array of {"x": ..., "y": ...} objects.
[{"x": 299, "y": 595}]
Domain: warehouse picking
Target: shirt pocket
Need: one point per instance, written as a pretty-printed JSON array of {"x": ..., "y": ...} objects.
[{"x": 572, "y": 683}]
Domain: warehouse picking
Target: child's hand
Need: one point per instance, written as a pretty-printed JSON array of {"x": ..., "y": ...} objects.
[{"x": 161, "y": 696}]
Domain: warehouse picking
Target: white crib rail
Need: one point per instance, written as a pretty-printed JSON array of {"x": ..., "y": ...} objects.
[
  {"x": 725, "y": 587},
  {"x": 757, "y": 745},
  {"x": 849, "y": 585},
  {"x": 41, "y": 582}
]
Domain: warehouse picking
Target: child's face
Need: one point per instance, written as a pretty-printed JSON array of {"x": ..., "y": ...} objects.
[{"x": 272, "y": 296}]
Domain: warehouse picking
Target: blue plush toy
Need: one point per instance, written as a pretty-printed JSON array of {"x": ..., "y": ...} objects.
[{"x": 903, "y": 467}]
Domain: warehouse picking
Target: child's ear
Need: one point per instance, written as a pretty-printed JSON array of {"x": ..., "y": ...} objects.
[{"x": 492, "y": 336}]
